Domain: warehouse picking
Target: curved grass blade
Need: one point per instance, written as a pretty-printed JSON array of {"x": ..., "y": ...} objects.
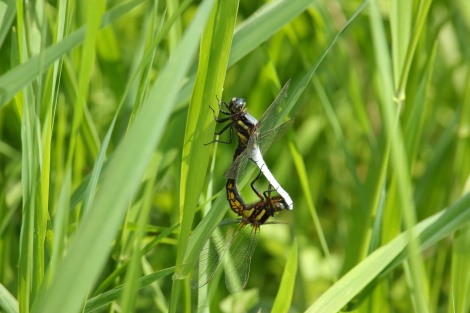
[
  {"x": 114, "y": 294},
  {"x": 8, "y": 303},
  {"x": 283, "y": 300},
  {"x": 90, "y": 248},
  {"x": 20, "y": 76},
  {"x": 254, "y": 31},
  {"x": 383, "y": 260},
  {"x": 121, "y": 269},
  {"x": 214, "y": 52},
  {"x": 8, "y": 17},
  {"x": 259, "y": 27}
]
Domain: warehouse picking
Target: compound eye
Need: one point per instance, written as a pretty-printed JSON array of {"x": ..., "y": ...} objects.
[
  {"x": 280, "y": 205},
  {"x": 277, "y": 206},
  {"x": 238, "y": 104}
]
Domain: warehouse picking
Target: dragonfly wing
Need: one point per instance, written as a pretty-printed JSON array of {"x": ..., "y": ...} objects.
[
  {"x": 213, "y": 251},
  {"x": 238, "y": 165},
  {"x": 271, "y": 136},
  {"x": 237, "y": 268},
  {"x": 264, "y": 141},
  {"x": 271, "y": 116}
]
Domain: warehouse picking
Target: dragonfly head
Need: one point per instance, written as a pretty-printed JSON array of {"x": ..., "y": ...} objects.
[
  {"x": 237, "y": 104},
  {"x": 279, "y": 204}
]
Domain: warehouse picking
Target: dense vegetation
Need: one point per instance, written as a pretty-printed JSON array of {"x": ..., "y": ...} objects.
[{"x": 108, "y": 192}]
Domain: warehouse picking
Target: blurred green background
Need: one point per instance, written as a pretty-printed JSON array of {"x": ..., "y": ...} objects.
[{"x": 104, "y": 175}]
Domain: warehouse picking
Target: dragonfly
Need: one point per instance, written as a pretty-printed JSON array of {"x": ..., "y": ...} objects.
[
  {"x": 236, "y": 239},
  {"x": 258, "y": 143},
  {"x": 245, "y": 124},
  {"x": 254, "y": 137}
]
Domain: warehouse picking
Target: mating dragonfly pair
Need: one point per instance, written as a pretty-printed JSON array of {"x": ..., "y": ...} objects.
[{"x": 239, "y": 237}]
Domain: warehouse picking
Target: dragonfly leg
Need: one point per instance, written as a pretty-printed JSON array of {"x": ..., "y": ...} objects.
[
  {"x": 220, "y": 107},
  {"x": 219, "y": 133},
  {"x": 224, "y": 129},
  {"x": 222, "y": 119},
  {"x": 267, "y": 193},
  {"x": 254, "y": 188}
]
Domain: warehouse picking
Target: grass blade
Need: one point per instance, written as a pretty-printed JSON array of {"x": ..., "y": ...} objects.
[
  {"x": 91, "y": 246},
  {"x": 262, "y": 25},
  {"x": 20, "y": 76},
  {"x": 283, "y": 300},
  {"x": 8, "y": 303},
  {"x": 248, "y": 36},
  {"x": 8, "y": 18},
  {"x": 383, "y": 260},
  {"x": 114, "y": 294},
  {"x": 215, "y": 49}
]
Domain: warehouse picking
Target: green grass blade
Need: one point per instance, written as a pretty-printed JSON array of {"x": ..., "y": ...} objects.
[
  {"x": 214, "y": 54},
  {"x": 303, "y": 177},
  {"x": 87, "y": 188},
  {"x": 415, "y": 37},
  {"x": 119, "y": 271},
  {"x": 460, "y": 272},
  {"x": 114, "y": 294},
  {"x": 248, "y": 36},
  {"x": 464, "y": 7},
  {"x": 414, "y": 125},
  {"x": 8, "y": 17},
  {"x": 18, "y": 77},
  {"x": 283, "y": 300},
  {"x": 387, "y": 257},
  {"x": 49, "y": 101},
  {"x": 133, "y": 272},
  {"x": 61, "y": 220},
  {"x": 89, "y": 250},
  {"x": 262, "y": 25},
  {"x": 399, "y": 158},
  {"x": 400, "y": 25},
  {"x": 8, "y": 303},
  {"x": 215, "y": 50},
  {"x": 94, "y": 13},
  {"x": 30, "y": 270}
]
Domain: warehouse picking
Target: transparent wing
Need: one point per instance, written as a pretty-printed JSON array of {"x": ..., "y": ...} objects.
[
  {"x": 238, "y": 165},
  {"x": 271, "y": 116},
  {"x": 213, "y": 251},
  {"x": 265, "y": 140},
  {"x": 271, "y": 136},
  {"x": 237, "y": 267}
]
